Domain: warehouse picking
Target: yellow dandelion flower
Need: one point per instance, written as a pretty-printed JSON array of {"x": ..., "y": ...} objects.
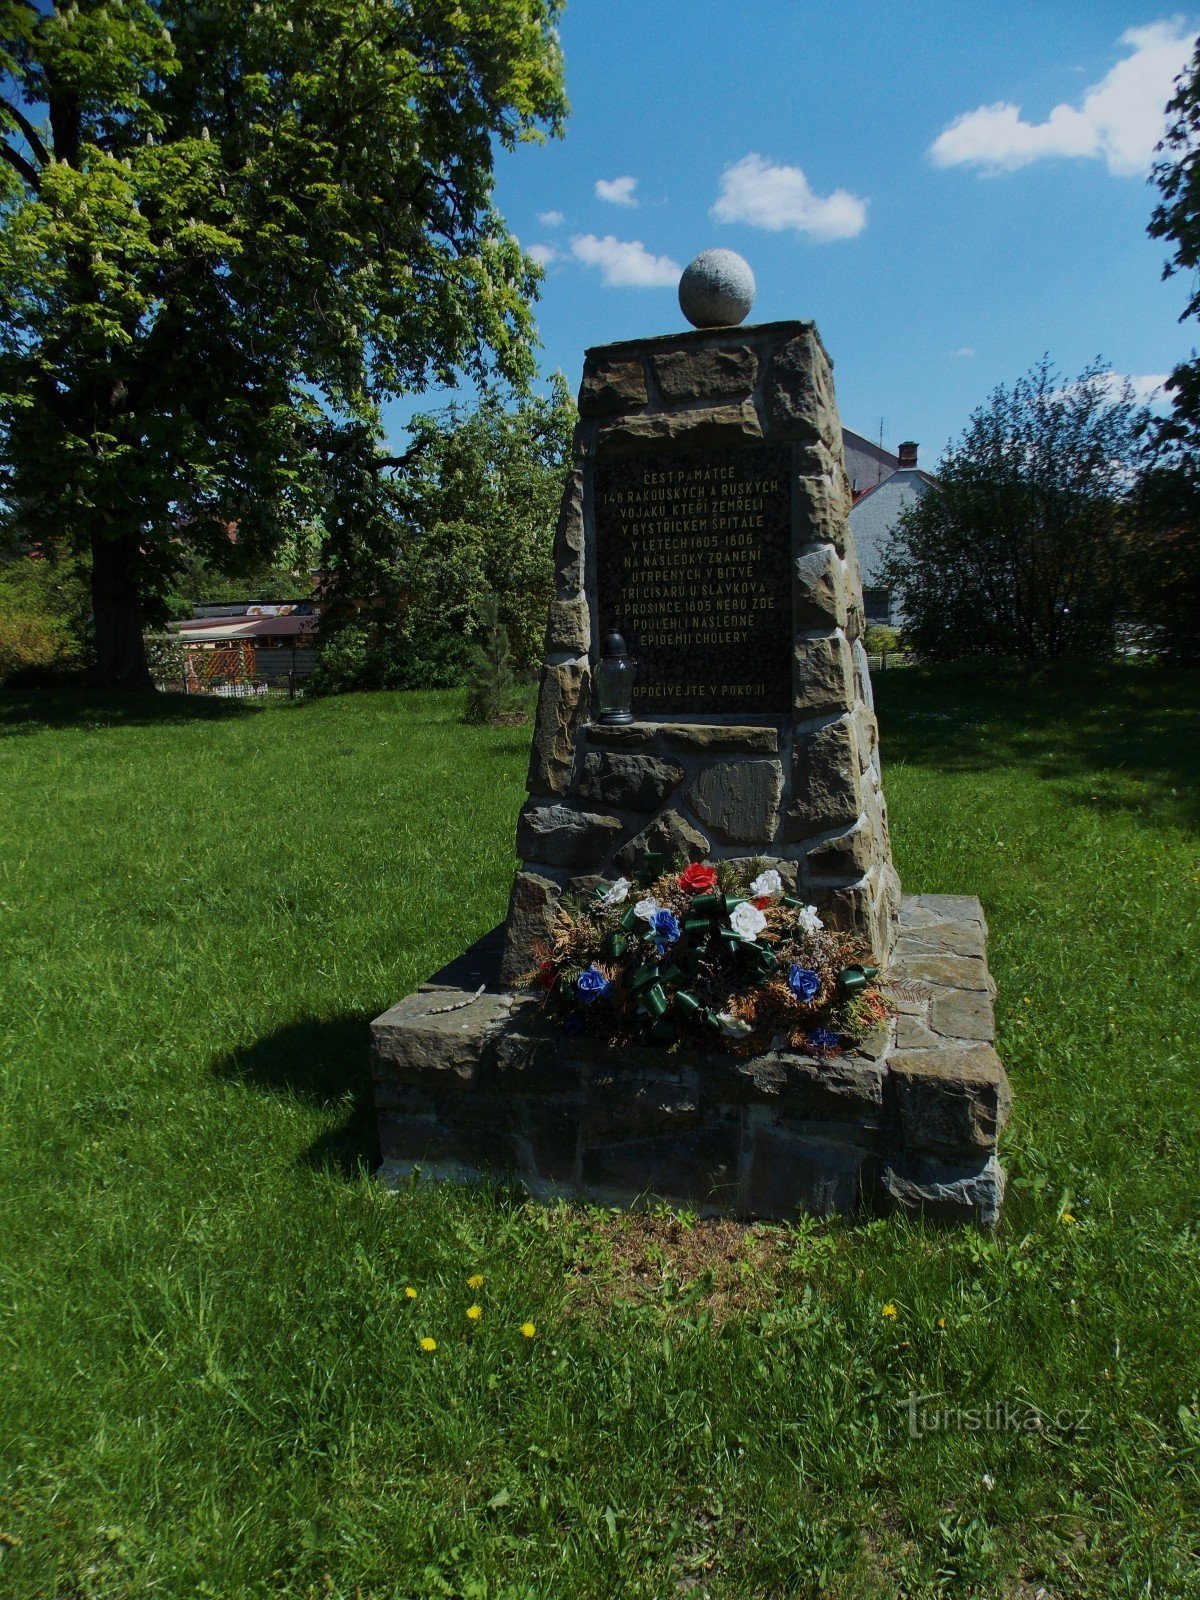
[
  {"x": 1068, "y": 1217},
  {"x": 428, "y": 1344},
  {"x": 475, "y": 1281},
  {"x": 474, "y": 1312},
  {"x": 890, "y": 1312},
  {"x": 941, "y": 1322},
  {"x": 410, "y": 1293},
  {"x": 528, "y": 1329}
]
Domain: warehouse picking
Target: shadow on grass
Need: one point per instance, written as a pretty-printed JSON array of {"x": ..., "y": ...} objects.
[
  {"x": 1076, "y": 723},
  {"x": 30, "y": 711},
  {"x": 325, "y": 1064}
]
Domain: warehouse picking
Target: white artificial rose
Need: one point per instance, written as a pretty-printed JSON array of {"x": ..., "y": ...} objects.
[
  {"x": 733, "y": 1027},
  {"x": 647, "y": 907},
  {"x": 767, "y": 885},
  {"x": 617, "y": 894},
  {"x": 747, "y": 921},
  {"x": 808, "y": 921}
]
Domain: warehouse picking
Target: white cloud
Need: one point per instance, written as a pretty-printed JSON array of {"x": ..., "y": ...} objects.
[
  {"x": 618, "y": 191},
  {"x": 551, "y": 219},
  {"x": 963, "y": 350},
  {"x": 626, "y": 264},
  {"x": 1120, "y": 120},
  {"x": 767, "y": 196},
  {"x": 544, "y": 254},
  {"x": 1148, "y": 387}
]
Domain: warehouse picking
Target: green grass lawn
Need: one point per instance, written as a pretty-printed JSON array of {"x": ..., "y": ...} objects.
[{"x": 211, "y": 1381}]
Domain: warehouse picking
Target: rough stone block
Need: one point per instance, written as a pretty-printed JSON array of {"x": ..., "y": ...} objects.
[
  {"x": 530, "y": 1059},
  {"x": 962, "y": 1014},
  {"x": 823, "y": 676},
  {"x": 550, "y": 1127},
  {"x": 710, "y": 428},
  {"x": 569, "y": 540},
  {"x": 631, "y": 783},
  {"x": 850, "y": 909},
  {"x": 819, "y": 589},
  {"x": 944, "y": 971},
  {"x": 826, "y": 781},
  {"x": 798, "y": 394},
  {"x": 943, "y": 1191},
  {"x": 611, "y": 387},
  {"x": 698, "y": 1167},
  {"x": 950, "y": 1101},
  {"x": 455, "y": 1147},
  {"x": 531, "y": 909},
  {"x": 418, "y": 1045},
  {"x": 739, "y": 800},
  {"x": 561, "y": 836},
  {"x": 562, "y": 702},
  {"x": 862, "y": 674},
  {"x": 848, "y": 855},
  {"x": 719, "y": 738},
  {"x": 569, "y": 627},
  {"x": 822, "y": 514},
  {"x": 846, "y": 1088},
  {"x": 692, "y": 374},
  {"x": 624, "y": 1104},
  {"x": 794, "y": 1173},
  {"x": 670, "y": 834}
]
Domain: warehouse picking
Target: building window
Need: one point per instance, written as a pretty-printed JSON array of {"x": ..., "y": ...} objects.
[{"x": 878, "y": 605}]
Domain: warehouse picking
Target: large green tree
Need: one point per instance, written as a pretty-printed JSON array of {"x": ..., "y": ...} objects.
[
  {"x": 1025, "y": 547},
  {"x": 229, "y": 230},
  {"x": 1170, "y": 585}
]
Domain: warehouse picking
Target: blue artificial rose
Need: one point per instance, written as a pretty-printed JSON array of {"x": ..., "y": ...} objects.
[
  {"x": 804, "y": 983},
  {"x": 664, "y": 929},
  {"x": 822, "y": 1039},
  {"x": 591, "y": 986}
]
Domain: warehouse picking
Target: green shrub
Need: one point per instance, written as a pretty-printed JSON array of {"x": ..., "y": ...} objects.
[
  {"x": 490, "y": 684},
  {"x": 43, "y": 620},
  {"x": 882, "y": 640}
]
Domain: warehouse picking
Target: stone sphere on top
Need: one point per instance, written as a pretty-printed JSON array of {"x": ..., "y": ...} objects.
[{"x": 716, "y": 289}]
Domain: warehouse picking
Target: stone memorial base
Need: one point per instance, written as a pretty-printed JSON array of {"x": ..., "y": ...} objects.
[{"x": 472, "y": 1083}]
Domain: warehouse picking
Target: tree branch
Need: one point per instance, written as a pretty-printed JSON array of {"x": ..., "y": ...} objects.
[
  {"x": 19, "y": 164},
  {"x": 31, "y": 136}
]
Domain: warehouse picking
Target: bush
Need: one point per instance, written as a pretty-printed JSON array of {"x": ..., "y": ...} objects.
[
  {"x": 490, "y": 684},
  {"x": 43, "y": 622},
  {"x": 882, "y": 640}
]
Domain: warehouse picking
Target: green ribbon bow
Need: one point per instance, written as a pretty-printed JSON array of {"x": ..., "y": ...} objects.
[{"x": 853, "y": 980}]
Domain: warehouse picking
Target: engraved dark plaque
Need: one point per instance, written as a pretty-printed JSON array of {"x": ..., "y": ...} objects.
[{"x": 692, "y": 560}]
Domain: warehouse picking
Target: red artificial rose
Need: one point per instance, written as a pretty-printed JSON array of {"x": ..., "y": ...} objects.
[
  {"x": 547, "y": 975},
  {"x": 698, "y": 879},
  {"x": 762, "y": 902}
]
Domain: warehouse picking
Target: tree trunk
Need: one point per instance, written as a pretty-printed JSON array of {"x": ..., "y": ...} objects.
[{"x": 116, "y": 605}]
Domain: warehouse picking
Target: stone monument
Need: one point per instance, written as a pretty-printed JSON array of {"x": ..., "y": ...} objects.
[{"x": 705, "y": 520}]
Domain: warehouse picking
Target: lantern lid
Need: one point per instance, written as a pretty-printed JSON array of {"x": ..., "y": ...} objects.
[{"x": 614, "y": 645}]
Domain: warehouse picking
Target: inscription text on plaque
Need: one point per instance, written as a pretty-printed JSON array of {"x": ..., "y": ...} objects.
[{"x": 692, "y": 560}]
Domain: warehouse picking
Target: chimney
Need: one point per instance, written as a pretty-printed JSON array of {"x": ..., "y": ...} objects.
[{"x": 908, "y": 454}]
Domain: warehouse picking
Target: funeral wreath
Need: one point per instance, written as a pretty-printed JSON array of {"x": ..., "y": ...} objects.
[{"x": 713, "y": 953}]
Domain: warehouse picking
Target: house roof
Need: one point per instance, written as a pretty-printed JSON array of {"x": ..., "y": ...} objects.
[
  {"x": 901, "y": 472},
  {"x": 216, "y": 630},
  {"x": 866, "y": 461}
]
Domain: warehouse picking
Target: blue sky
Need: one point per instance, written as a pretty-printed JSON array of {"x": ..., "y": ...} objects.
[{"x": 948, "y": 189}]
